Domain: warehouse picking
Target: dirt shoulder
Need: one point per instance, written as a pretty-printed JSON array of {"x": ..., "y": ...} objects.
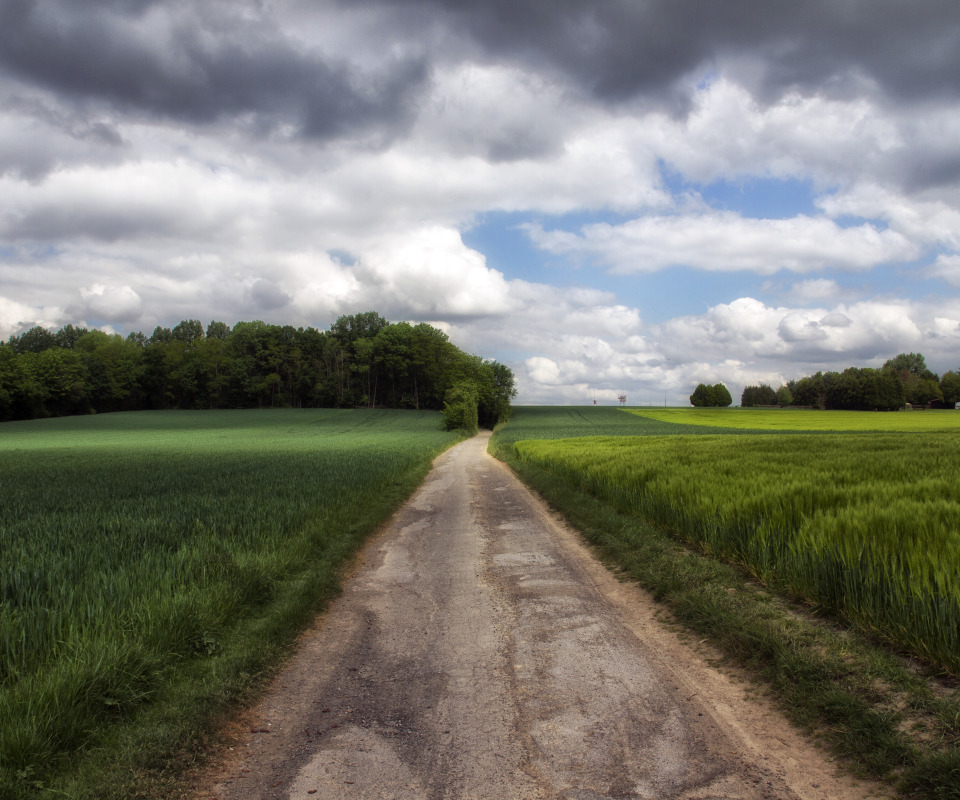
[{"x": 480, "y": 651}]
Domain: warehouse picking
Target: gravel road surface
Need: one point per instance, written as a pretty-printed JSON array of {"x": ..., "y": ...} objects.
[{"x": 479, "y": 651}]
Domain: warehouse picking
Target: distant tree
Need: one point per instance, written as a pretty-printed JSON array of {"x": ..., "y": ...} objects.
[
  {"x": 498, "y": 391},
  {"x": 721, "y": 396},
  {"x": 920, "y": 385},
  {"x": 161, "y": 335},
  {"x": 189, "y": 331},
  {"x": 349, "y": 328},
  {"x": 701, "y": 396},
  {"x": 35, "y": 340},
  {"x": 218, "y": 330},
  {"x": 784, "y": 397},
  {"x": 716, "y": 396},
  {"x": 68, "y": 335},
  {"x": 761, "y": 395},
  {"x": 460, "y": 408},
  {"x": 890, "y": 393},
  {"x": 362, "y": 360},
  {"x": 950, "y": 387},
  {"x": 137, "y": 338},
  {"x": 907, "y": 362}
]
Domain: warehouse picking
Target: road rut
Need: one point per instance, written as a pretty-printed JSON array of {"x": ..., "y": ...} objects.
[{"x": 480, "y": 652}]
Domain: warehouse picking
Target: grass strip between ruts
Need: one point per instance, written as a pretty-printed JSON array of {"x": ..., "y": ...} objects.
[{"x": 879, "y": 712}]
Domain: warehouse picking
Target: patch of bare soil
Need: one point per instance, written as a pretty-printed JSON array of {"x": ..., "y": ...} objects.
[{"x": 480, "y": 651}]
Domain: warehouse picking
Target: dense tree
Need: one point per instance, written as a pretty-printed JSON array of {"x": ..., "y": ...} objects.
[
  {"x": 363, "y": 360},
  {"x": 68, "y": 336},
  {"x": 218, "y": 330},
  {"x": 761, "y": 395},
  {"x": 784, "y": 397},
  {"x": 920, "y": 386},
  {"x": 460, "y": 410},
  {"x": 707, "y": 396},
  {"x": 950, "y": 387},
  {"x": 35, "y": 340},
  {"x": 914, "y": 363}
]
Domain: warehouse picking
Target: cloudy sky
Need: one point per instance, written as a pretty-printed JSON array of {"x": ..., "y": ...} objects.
[{"x": 608, "y": 195}]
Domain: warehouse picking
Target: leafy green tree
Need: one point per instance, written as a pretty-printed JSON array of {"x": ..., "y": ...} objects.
[
  {"x": 914, "y": 363},
  {"x": 920, "y": 385},
  {"x": 809, "y": 391},
  {"x": 784, "y": 397},
  {"x": 35, "y": 340},
  {"x": 362, "y": 360},
  {"x": 161, "y": 335},
  {"x": 702, "y": 396},
  {"x": 890, "y": 394},
  {"x": 761, "y": 395},
  {"x": 114, "y": 366},
  {"x": 218, "y": 330},
  {"x": 11, "y": 382},
  {"x": 721, "y": 396},
  {"x": 188, "y": 330},
  {"x": 349, "y": 328},
  {"x": 499, "y": 390},
  {"x": 950, "y": 387},
  {"x": 68, "y": 336},
  {"x": 460, "y": 408},
  {"x": 711, "y": 396},
  {"x": 54, "y": 383}
]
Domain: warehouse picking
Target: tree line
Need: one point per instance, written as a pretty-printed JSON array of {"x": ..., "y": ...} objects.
[
  {"x": 903, "y": 379},
  {"x": 361, "y": 361}
]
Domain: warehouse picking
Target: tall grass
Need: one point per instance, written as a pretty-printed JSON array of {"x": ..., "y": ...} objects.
[
  {"x": 137, "y": 547},
  {"x": 865, "y": 525}
]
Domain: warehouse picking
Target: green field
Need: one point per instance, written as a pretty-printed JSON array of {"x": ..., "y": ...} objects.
[
  {"x": 728, "y": 527},
  {"x": 565, "y": 422},
  {"x": 864, "y": 524},
  {"x": 152, "y": 562},
  {"x": 787, "y": 419}
]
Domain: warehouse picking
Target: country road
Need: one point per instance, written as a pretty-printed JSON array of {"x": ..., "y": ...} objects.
[{"x": 479, "y": 651}]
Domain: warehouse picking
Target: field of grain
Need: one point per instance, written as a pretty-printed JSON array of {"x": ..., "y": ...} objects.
[
  {"x": 142, "y": 547},
  {"x": 789, "y": 419},
  {"x": 864, "y": 524}
]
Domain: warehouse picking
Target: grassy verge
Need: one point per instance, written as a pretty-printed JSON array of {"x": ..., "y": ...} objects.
[
  {"x": 885, "y": 715},
  {"x": 157, "y": 565}
]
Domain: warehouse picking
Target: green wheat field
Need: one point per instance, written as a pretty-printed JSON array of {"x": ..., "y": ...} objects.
[
  {"x": 865, "y": 524},
  {"x": 143, "y": 546}
]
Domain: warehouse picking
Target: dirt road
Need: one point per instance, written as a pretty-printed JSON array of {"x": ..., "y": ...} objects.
[{"x": 480, "y": 652}]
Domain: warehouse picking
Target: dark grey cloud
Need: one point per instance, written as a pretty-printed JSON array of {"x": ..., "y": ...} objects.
[
  {"x": 205, "y": 61},
  {"x": 267, "y": 295},
  {"x": 621, "y": 49},
  {"x": 197, "y": 63}
]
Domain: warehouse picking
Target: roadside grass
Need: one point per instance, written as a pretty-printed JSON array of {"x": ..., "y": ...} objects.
[
  {"x": 793, "y": 419},
  {"x": 156, "y": 564},
  {"x": 887, "y": 715}
]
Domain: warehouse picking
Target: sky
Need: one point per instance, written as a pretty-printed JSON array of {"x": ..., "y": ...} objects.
[{"x": 609, "y": 196}]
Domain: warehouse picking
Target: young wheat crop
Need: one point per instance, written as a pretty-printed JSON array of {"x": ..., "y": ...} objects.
[
  {"x": 867, "y": 525},
  {"x": 137, "y": 546}
]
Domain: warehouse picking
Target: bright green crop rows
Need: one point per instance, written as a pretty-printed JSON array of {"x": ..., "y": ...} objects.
[
  {"x": 867, "y": 524},
  {"x": 135, "y": 544},
  {"x": 788, "y": 419}
]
